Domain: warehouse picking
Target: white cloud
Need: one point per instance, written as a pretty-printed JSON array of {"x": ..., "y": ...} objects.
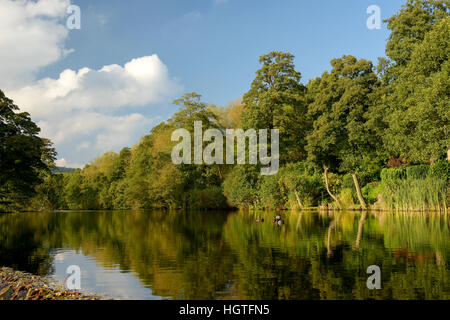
[
  {"x": 64, "y": 163},
  {"x": 78, "y": 110},
  {"x": 106, "y": 132},
  {"x": 84, "y": 112},
  {"x": 140, "y": 82},
  {"x": 82, "y": 136},
  {"x": 31, "y": 37}
]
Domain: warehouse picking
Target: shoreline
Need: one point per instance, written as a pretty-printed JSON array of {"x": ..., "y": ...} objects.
[{"x": 18, "y": 285}]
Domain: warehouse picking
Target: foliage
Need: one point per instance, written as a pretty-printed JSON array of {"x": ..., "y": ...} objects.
[
  {"x": 440, "y": 169},
  {"x": 276, "y": 100},
  {"x": 24, "y": 156},
  {"x": 416, "y": 194},
  {"x": 417, "y": 172},
  {"x": 372, "y": 191},
  {"x": 353, "y": 122}
]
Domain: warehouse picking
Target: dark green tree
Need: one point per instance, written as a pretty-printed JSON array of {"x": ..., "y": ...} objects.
[
  {"x": 340, "y": 101},
  {"x": 408, "y": 28},
  {"x": 23, "y": 154},
  {"x": 418, "y": 125},
  {"x": 276, "y": 100}
]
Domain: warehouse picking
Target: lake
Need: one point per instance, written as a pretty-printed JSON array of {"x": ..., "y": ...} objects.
[{"x": 229, "y": 255}]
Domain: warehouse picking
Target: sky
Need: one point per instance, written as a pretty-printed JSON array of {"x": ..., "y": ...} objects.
[{"x": 103, "y": 86}]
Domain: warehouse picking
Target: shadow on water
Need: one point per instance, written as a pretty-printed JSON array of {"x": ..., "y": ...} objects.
[{"x": 219, "y": 255}]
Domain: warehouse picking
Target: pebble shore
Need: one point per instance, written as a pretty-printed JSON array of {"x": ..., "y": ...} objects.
[{"x": 17, "y": 285}]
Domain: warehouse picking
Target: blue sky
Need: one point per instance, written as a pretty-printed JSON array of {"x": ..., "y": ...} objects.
[
  {"x": 213, "y": 46},
  {"x": 208, "y": 46}
]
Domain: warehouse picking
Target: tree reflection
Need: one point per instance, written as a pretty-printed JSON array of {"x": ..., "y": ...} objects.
[{"x": 218, "y": 255}]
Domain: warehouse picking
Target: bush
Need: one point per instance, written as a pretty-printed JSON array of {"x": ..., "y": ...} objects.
[
  {"x": 392, "y": 175},
  {"x": 270, "y": 193},
  {"x": 210, "y": 198},
  {"x": 440, "y": 169},
  {"x": 347, "y": 183},
  {"x": 346, "y": 198},
  {"x": 241, "y": 186},
  {"x": 371, "y": 191},
  {"x": 417, "y": 172},
  {"x": 299, "y": 180}
]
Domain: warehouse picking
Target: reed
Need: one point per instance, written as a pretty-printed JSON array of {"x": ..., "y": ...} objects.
[{"x": 425, "y": 194}]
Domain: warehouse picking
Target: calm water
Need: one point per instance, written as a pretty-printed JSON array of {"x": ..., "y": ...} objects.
[{"x": 194, "y": 255}]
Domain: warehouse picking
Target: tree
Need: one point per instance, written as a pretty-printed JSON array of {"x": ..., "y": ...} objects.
[
  {"x": 340, "y": 101},
  {"x": 409, "y": 27},
  {"x": 23, "y": 154},
  {"x": 276, "y": 100},
  {"x": 229, "y": 117},
  {"x": 193, "y": 109},
  {"x": 301, "y": 183},
  {"x": 196, "y": 177},
  {"x": 419, "y": 123},
  {"x": 241, "y": 186}
]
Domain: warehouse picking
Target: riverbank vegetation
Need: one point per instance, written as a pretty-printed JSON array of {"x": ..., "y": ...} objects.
[{"x": 360, "y": 136}]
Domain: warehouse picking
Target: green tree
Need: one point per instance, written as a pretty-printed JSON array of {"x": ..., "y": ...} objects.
[
  {"x": 408, "y": 28},
  {"x": 23, "y": 154},
  {"x": 276, "y": 100},
  {"x": 197, "y": 177},
  {"x": 419, "y": 123},
  {"x": 241, "y": 186},
  {"x": 339, "y": 105}
]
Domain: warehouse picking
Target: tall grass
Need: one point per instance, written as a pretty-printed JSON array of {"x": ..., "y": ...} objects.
[{"x": 425, "y": 194}]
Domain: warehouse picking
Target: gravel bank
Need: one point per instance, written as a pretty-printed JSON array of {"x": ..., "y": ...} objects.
[{"x": 16, "y": 285}]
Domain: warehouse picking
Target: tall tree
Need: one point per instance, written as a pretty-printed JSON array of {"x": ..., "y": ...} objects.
[
  {"x": 195, "y": 177},
  {"x": 276, "y": 100},
  {"x": 420, "y": 117},
  {"x": 409, "y": 27},
  {"x": 340, "y": 101},
  {"x": 23, "y": 154}
]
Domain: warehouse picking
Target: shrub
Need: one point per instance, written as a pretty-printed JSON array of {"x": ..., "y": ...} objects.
[
  {"x": 346, "y": 198},
  {"x": 417, "y": 172},
  {"x": 241, "y": 186},
  {"x": 371, "y": 191},
  {"x": 299, "y": 180},
  {"x": 210, "y": 198},
  {"x": 392, "y": 175},
  {"x": 270, "y": 194},
  {"x": 347, "y": 183},
  {"x": 440, "y": 169}
]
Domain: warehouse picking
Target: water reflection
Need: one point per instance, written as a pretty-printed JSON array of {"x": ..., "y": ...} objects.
[{"x": 214, "y": 255}]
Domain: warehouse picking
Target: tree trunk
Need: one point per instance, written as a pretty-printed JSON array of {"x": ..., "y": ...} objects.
[
  {"x": 220, "y": 173},
  {"x": 299, "y": 220},
  {"x": 358, "y": 192},
  {"x": 325, "y": 174},
  {"x": 448, "y": 154},
  {"x": 360, "y": 230},
  {"x": 333, "y": 225},
  {"x": 298, "y": 199}
]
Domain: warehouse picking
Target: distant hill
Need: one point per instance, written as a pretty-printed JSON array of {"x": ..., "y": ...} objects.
[{"x": 63, "y": 170}]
